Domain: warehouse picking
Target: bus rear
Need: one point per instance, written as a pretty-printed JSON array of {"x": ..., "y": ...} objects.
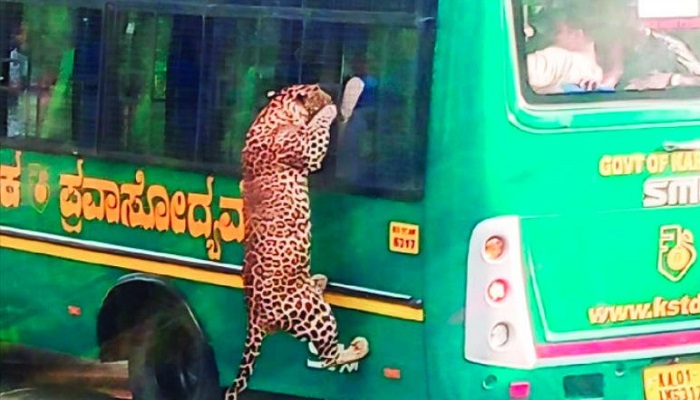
[{"x": 582, "y": 277}]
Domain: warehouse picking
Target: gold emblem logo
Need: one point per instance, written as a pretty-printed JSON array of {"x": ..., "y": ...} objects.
[
  {"x": 677, "y": 252},
  {"x": 39, "y": 186}
]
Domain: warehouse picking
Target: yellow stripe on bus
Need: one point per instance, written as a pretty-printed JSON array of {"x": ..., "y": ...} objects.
[{"x": 193, "y": 274}]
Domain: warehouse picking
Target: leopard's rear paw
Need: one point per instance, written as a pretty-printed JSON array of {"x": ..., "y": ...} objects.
[
  {"x": 320, "y": 281},
  {"x": 358, "y": 349}
]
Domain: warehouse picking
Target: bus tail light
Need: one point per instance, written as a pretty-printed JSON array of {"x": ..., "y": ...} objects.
[
  {"x": 494, "y": 248},
  {"x": 500, "y": 336},
  {"x": 497, "y": 316},
  {"x": 497, "y": 291}
]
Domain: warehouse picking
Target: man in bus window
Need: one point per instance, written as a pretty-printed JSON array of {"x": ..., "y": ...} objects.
[
  {"x": 652, "y": 59},
  {"x": 605, "y": 56},
  {"x": 356, "y": 141},
  {"x": 660, "y": 61},
  {"x": 571, "y": 62}
]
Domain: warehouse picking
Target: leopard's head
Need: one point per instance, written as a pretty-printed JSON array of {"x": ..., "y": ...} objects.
[{"x": 302, "y": 102}]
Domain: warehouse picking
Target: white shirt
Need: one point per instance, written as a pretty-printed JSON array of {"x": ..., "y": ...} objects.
[{"x": 551, "y": 68}]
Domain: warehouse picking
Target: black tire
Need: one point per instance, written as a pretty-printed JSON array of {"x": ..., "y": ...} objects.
[{"x": 170, "y": 360}]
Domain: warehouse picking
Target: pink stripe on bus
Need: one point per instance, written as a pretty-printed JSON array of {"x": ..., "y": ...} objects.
[{"x": 618, "y": 345}]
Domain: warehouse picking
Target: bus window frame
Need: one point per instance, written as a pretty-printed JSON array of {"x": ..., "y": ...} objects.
[
  {"x": 557, "y": 116},
  {"x": 422, "y": 20}
]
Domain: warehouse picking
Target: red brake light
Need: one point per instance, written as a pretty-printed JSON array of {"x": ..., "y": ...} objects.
[{"x": 497, "y": 291}]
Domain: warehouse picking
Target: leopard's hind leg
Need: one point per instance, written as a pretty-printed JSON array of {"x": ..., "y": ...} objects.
[
  {"x": 251, "y": 350},
  {"x": 320, "y": 282},
  {"x": 310, "y": 318}
]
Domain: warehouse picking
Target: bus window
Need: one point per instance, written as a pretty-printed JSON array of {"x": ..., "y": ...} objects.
[
  {"x": 39, "y": 66},
  {"x": 11, "y": 72},
  {"x": 146, "y": 103},
  {"x": 86, "y": 77},
  {"x": 380, "y": 149},
  {"x": 246, "y": 56},
  {"x": 623, "y": 50}
]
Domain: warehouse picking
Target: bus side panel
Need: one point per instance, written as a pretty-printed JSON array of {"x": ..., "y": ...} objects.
[
  {"x": 40, "y": 292},
  {"x": 41, "y": 297},
  {"x": 393, "y": 369},
  {"x": 51, "y": 303}
]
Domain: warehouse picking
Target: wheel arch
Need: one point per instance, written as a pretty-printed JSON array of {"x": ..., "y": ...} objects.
[{"x": 133, "y": 297}]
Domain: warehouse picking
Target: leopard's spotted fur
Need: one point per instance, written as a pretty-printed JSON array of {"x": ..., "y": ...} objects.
[{"x": 287, "y": 141}]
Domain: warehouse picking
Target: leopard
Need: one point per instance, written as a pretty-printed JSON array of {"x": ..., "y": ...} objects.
[{"x": 287, "y": 141}]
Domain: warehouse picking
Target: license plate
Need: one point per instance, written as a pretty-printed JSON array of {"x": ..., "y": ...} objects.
[{"x": 672, "y": 382}]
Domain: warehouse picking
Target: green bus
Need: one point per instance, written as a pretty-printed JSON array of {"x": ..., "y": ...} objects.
[{"x": 511, "y": 212}]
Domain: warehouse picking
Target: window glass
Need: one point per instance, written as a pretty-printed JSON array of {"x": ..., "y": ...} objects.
[
  {"x": 247, "y": 58},
  {"x": 86, "y": 77},
  {"x": 142, "y": 48},
  {"x": 173, "y": 87},
  {"x": 381, "y": 145},
  {"x": 37, "y": 71},
  {"x": 609, "y": 49}
]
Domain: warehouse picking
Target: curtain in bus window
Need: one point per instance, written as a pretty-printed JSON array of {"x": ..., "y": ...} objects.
[
  {"x": 378, "y": 148},
  {"x": 184, "y": 70},
  {"x": 41, "y": 48},
  {"x": 622, "y": 48},
  {"x": 86, "y": 73}
]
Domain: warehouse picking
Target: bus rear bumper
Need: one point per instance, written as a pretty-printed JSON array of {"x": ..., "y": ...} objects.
[{"x": 618, "y": 349}]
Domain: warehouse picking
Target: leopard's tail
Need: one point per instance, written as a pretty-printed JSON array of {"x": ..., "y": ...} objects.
[{"x": 251, "y": 351}]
